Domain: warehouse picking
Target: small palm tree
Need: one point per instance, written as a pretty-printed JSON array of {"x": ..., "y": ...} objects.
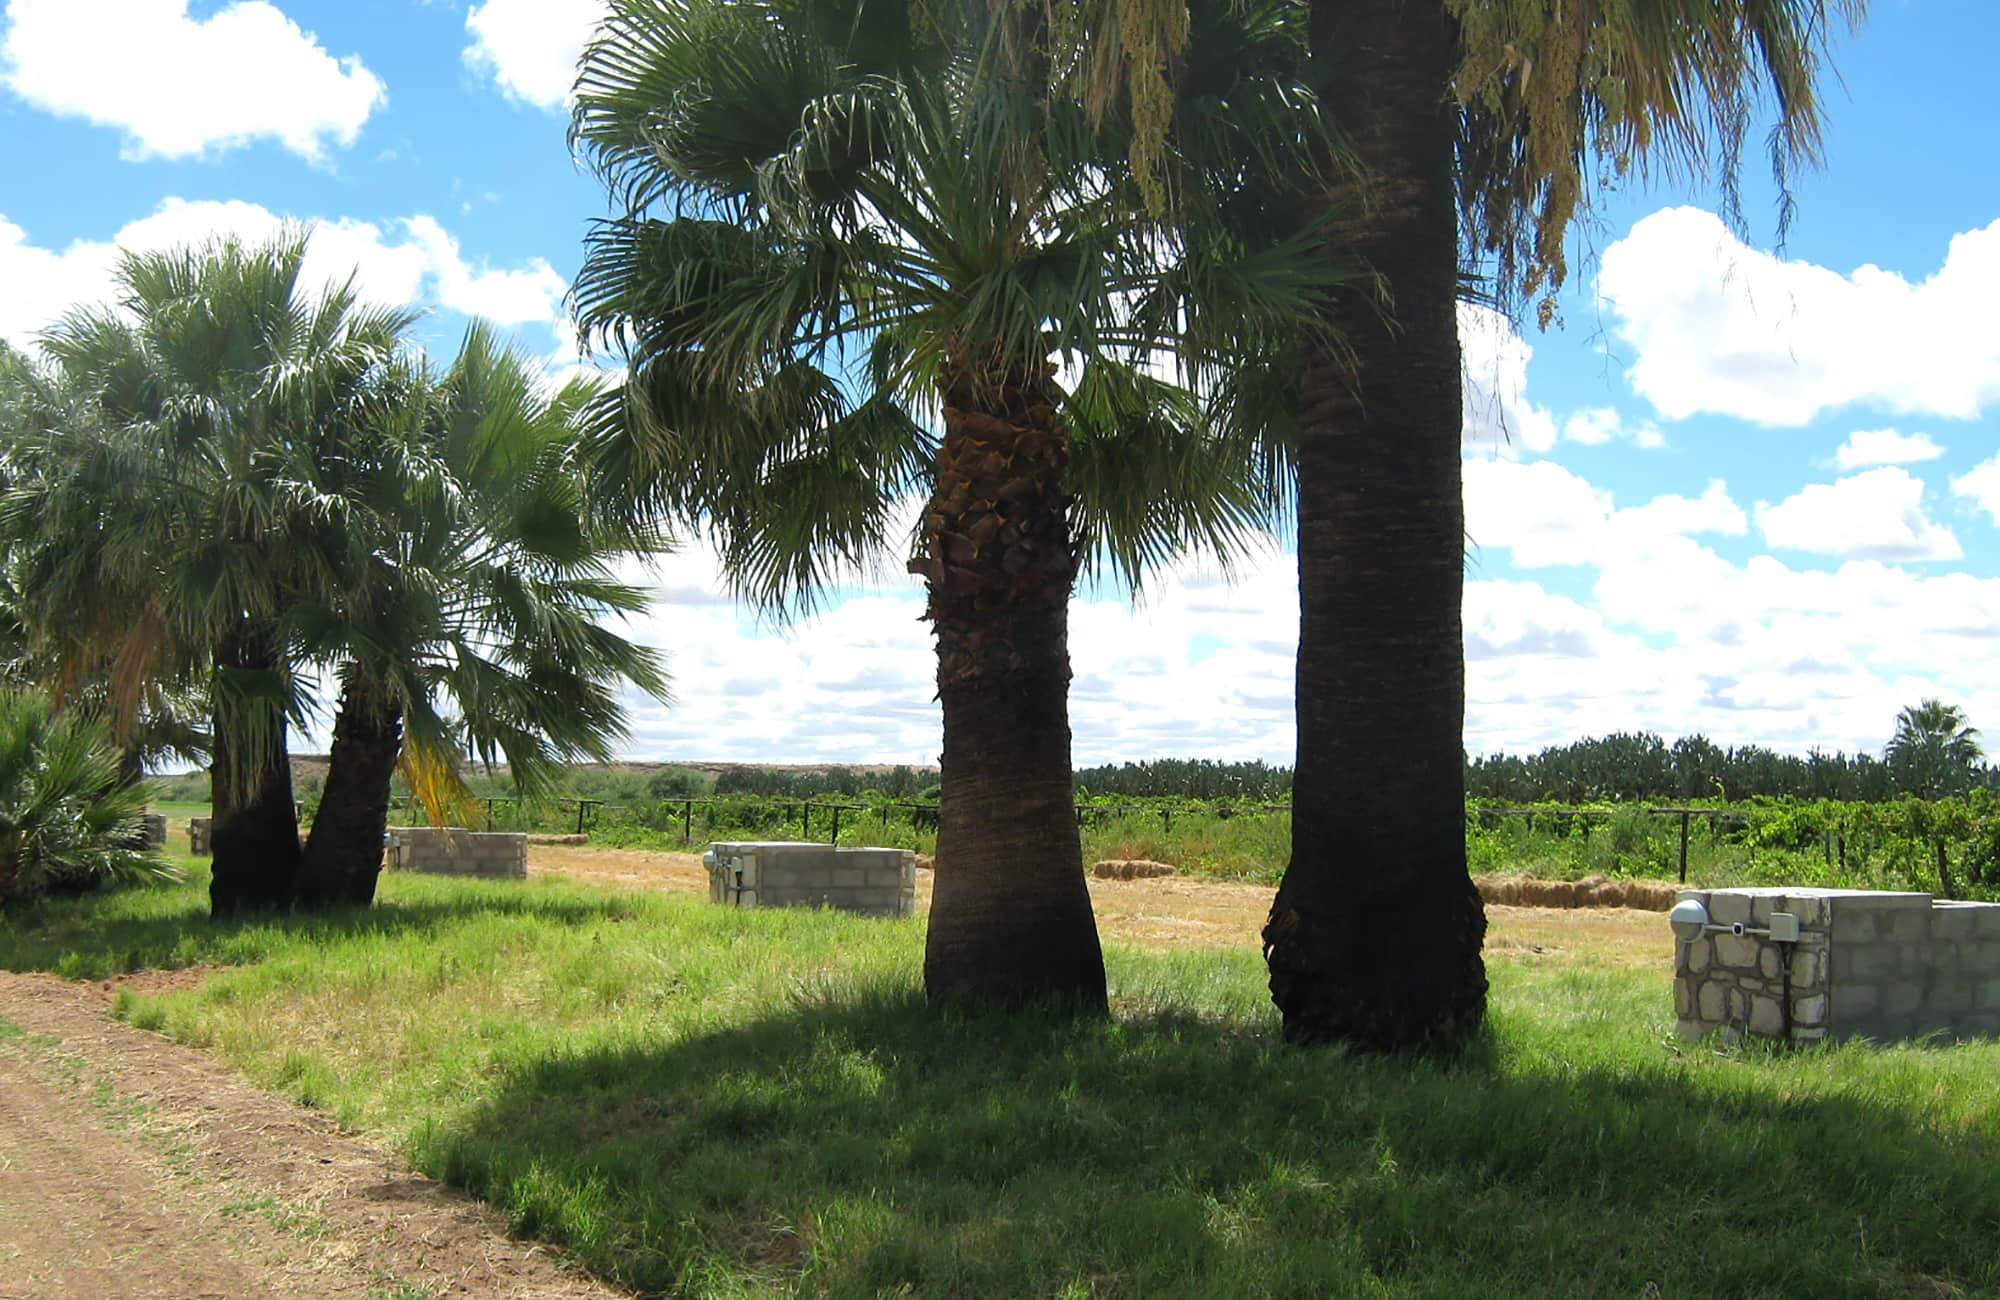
[
  {"x": 1934, "y": 751},
  {"x": 472, "y": 621},
  {"x": 66, "y": 821},
  {"x": 858, "y": 244}
]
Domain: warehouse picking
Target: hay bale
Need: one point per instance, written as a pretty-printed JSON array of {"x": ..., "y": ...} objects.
[
  {"x": 1130, "y": 869},
  {"x": 925, "y": 862},
  {"x": 559, "y": 839},
  {"x": 1591, "y": 891}
]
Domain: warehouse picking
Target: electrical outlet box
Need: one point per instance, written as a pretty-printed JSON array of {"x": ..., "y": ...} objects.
[{"x": 1784, "y": 927}]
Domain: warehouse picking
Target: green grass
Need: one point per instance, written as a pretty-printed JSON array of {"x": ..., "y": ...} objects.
[{"x": 706, "y": 1102}]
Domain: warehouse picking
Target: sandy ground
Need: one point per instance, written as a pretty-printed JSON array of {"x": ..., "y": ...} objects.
[
  {"x": 131, "y": 1166},
  {"x": 1177, "y": 910}
]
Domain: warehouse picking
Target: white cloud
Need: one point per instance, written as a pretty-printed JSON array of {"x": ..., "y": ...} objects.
[
  {"x": 1498, "y": 413},
  {"x": 179, "y": 86},
  {"x": 1594, "y": 426},
  {"x": 1544, "y": 514},
  {"x": 402, "y": 262},
  {"x": 1865, "y": 447},
  {"x": 1670, "y": 637},
  {"x": 1718, "y": 327},
  {"x": 532, "y": 293},
  {"x": 1203, "y": 667},
  {"x": 531, "y": 47},
  {"x": 1877, "y": 515},
  {"x": 1981, "y": 484}
]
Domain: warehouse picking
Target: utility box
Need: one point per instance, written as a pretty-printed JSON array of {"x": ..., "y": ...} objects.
[{"x": 778, "y": 873}]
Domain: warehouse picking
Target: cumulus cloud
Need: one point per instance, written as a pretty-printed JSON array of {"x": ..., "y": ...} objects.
[
  {"x": 1202, "y": 667},
  {"x": 178, "y": 86},
  {"x": 1498, "y": 414},
  {"x": 1876, "y": 515},
  {"x": 1865, "y": 447},
  {"x": 1717, "y": 327},
  {"x": 413, "y": 260},
  {"x": 1594, "y": 426},
  {"x": 1981, "y": 485},
  {"x": 1662, "y": 634},
  {"x": 530, "y": 47},
  {"x": 1686, "y": 641},
  {"x": 1544, "y": 514}
]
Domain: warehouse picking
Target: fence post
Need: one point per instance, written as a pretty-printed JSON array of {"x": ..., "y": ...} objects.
[
  {"x": 836, "y": 825},
  {"x": 687, "y": 822},
  {"x": 805, "y": 820},
  {"x": 1684, "y": 845}
]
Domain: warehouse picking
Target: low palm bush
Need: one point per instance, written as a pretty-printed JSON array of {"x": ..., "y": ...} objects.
[{"x": 66, "y": 823}]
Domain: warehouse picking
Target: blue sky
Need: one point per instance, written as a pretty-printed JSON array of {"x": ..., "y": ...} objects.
[{"x": 1747, "y": 492}]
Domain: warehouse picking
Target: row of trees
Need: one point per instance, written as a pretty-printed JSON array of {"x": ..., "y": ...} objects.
[
  {"x": 229, "y": 485},
  {"x": 1932, "y": 753}
]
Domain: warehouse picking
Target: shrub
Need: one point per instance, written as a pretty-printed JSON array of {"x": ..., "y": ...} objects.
[{"x": 66, "y": 824}]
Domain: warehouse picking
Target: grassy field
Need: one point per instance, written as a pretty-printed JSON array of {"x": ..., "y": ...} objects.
[{"x": 712, "y": 1103}]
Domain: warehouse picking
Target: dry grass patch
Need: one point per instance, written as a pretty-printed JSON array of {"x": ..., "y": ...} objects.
[
  {"x": 1131, "y": 869},
  {"x": 1591, "y": 891}
]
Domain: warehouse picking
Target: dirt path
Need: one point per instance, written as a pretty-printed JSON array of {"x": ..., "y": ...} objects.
[{"x": 133, "y": 1167}]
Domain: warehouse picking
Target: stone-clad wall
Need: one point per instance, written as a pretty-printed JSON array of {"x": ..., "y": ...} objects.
[
  {"x": 1736, "y": 983},
  {"x": 156, "y": 830},
  {"x": 875, "y": 882},
  {"x": 198, "y": 833},
  {"x": 1870, "y": 964},
  {"x": 456, "y": 852}
]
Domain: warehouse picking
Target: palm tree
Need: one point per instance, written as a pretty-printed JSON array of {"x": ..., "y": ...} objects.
[
  {"x": 482, "y": 594},
  {"x": 172, "y": 517},
  {"x": 1375, "y": 935},
  {"x": 1934, "y": 751},
  {"x": 66, "y": 822},
  {"x": 1475, "y": 128},
  {"x": 150, "y": 720},
  {"x": 840, "y": 223}
]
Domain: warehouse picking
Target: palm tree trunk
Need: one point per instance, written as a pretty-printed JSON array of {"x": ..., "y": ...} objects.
[
  {"x": 256, "y": 826},
  {"x": 1375, "y": 935},
  {"x": 1010, "y": 916},
  {"x": 343, "y": 855}
]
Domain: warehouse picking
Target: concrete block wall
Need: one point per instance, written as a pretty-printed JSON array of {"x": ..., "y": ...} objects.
[
  {"x": 1869, "y": 964},
  {"x": 453, "y": 851},
  {"x": 1903, "y": 971},
  {"x": 776, "y": 873}
]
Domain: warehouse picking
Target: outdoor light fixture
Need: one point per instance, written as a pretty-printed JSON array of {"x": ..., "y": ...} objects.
[{"x": 1690, "y": 922}]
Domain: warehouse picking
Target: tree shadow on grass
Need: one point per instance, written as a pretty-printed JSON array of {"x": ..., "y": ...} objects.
[
  {"x": 863, "y": 1145},
  {"x": 165, "y": 927}
]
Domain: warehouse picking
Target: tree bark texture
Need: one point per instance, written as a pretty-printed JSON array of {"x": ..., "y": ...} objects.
[
  {"x": 256, "y": 826},
  {"x": 343, "y": 855},
  {"x": 1374, "y": 938},
  {"x": 1010, "y": 914}
]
